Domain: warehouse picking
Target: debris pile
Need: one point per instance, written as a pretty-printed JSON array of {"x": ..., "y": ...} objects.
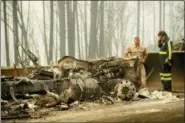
[
  {"x": 162, "y": 95},
  {"x": 77, "y": 80},
  {"x": 108, "y": 81},
  {"x": 157, "y": 95}
]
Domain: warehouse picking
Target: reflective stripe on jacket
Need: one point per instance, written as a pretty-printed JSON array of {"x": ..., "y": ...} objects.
[{"x": 165, "y": 51}]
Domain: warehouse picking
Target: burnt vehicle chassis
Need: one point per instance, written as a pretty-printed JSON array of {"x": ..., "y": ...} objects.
[
  {"x": 76, "y": 80},
  {"x": 18, "y": 86}
]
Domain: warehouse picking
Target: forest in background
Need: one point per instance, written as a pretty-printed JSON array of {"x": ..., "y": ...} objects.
[{"x": 85, "y": 29}]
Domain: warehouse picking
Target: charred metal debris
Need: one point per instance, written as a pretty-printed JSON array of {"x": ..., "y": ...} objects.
[{"x": 108, "y": 80}]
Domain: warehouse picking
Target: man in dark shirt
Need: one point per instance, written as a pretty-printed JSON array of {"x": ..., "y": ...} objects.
[{"x": 165, "y": 56}]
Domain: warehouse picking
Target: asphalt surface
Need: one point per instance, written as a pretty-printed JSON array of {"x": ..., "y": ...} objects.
[
  {"x": 135, "y": 111},
  {"x": 167, "y": 112}
]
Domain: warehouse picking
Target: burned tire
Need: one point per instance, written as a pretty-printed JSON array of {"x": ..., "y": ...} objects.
[
  {"x": 120, "y": 88},
  {"x": 125, "y": 90}
]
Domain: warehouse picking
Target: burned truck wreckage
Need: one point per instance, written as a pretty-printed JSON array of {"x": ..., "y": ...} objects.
[{"x": 73, "y": 80}]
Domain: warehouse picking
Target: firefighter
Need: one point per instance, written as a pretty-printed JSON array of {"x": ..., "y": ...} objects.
[
  {"x": 165, "y": 56},
  {"x": 137, "y": 50}
]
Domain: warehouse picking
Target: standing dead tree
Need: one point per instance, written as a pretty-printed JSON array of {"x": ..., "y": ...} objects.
[
  {"x": 93, "y": 29},
  {"x": 160, "y": 14},
  {"x": 24, "y": 28},
  {"x": 45, "y": 38},
  {"x": 85, "y": 30},
  {"x": 71, "y": 29},
  {"x": 51, "y": 32},
  {"x": 164, "y": 15},
  {"x": 77, "y": 28},
  {"x": 62, "y": 29},
  {"x": 138, "y": 18},
  {"x": 15, "y": 29},
  {"x": 6, "y": 35},
  {"x": 110, "y": 17},
  {"x": 101, "y": 40}
]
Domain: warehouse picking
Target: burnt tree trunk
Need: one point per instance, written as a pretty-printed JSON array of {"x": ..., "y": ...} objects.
[
  {"x": 138, "y": 18},
  {"x": 77, "y": 31},
  {"x": 45, "y": 38},
  {"x": 22, "y": 42},
  {"x": 62, "y": 23},
  {"x": 6, "y": 35},
  {"x": 74, "y": 26},
  {"x": 23, "y": 27},
  {"x": 51, "y": 32},
  {"x": 70, "y": 25},
  {"x": 26, "y": 29},
  {"x": 85, "y": 31},
  {"x": 15, "y": 28},
  {"x": 102, "y": 43},
  {"x": 93, "y": 29},
  {"x": 160, "y": 13},
  {"x": 163, "y": 15},
  {"x": 143, "y": 34},
  {"x": 154, "y": 25},
  {"x": 110, "y": 28}
]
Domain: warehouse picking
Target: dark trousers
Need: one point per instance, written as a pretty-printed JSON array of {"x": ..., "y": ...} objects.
[{"x": 166, "y": 77}]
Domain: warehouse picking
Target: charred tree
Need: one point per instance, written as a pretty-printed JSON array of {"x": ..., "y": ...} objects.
[
  {"x": 123, "y": 27},
  {"x": 77, "y": 29},
  {"x": 51, "y": 32},
  {"x": 143, "y": 34},
  {"x": 15, "y": 29},
  {"x": 22, "y": 54},
  {"x": 70, "y": 25},
  {"x": 154, "y": 25},
  {"x": 57, "y": 38},
  {"x": 110, "y": 17},
  {"x": 6, "y": 35},
  {"x": 102, "y": 43},
  {"x": 93, "y": 29},
  {"x": 74, "y": 26},
  {"x": 160, "y": 14},
  {"x": 56, "y": 49},
  {"x": 45, "y": 38},
  {"x": 24, "y": 29},
  {"x": 85, "y": 31},
  {"x": 62, "y": 24},
  {"x": 163, "y": 15},
  {"x": 138, "y": 18}
]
